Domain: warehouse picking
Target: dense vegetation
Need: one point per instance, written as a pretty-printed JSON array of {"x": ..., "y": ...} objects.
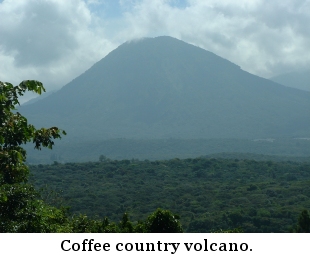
[{"x": 209, "y": 194}]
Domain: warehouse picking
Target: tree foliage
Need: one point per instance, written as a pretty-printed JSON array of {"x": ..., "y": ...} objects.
[
  {"x": 209, "y": 194},
  {"x": 163, "y": 221},
  {"x": 303, "y": 225},
  {"x": 20, "y": 209}
]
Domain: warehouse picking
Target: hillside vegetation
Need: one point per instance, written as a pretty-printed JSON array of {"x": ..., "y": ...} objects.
[{"x": 209, "y": 194}]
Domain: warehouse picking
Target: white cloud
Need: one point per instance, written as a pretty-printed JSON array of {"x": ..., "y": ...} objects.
[
  {"x": 263, "y": 37},
  {"x": 49, "y": 40}
]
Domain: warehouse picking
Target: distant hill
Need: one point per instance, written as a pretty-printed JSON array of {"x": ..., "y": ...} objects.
[
  {"x": 40, "y": 97},
  {"x": 163, "y": 149},
  {"x": 165, "y": 88},
  {"x": 298, "y": 79}
]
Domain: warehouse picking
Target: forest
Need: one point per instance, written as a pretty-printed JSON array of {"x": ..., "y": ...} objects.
[{"x": 209, "y": 194}]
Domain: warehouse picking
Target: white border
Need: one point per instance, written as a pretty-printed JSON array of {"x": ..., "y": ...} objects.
[{"x": 50, "y": 244}]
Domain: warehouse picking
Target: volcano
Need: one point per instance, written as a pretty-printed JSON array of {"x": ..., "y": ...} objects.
[{"x": 165, "y": 88}]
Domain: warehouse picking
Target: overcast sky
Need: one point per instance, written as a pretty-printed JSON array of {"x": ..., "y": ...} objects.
[{"x": 54, "y": 41}]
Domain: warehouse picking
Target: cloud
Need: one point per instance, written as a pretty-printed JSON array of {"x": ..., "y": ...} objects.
[
  {"x": 49, "y": 40},
  {"x": 263, "y": 37}
]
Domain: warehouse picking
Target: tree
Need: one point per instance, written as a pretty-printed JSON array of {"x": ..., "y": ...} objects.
[
  {"x": 102, "y": 158},
  {"x": 163, "y": 221},
  {"x": 20, "y": 209},
  {"x": 303, "y": 225}
]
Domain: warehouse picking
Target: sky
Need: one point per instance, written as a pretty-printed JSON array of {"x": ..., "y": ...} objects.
[{"x": 54, "y": 41}]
